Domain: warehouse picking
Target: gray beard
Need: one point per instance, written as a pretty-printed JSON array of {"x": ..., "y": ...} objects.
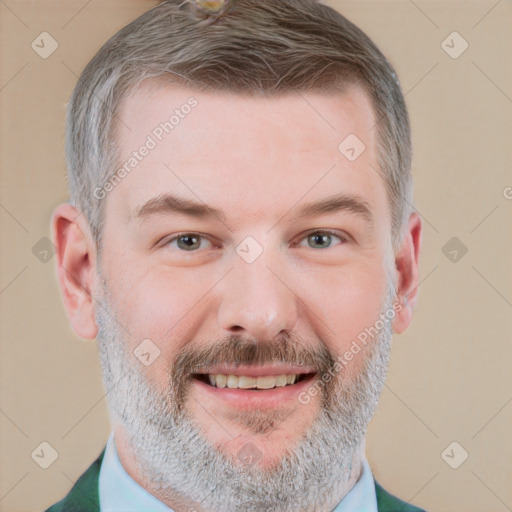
[{"x": 178, "y": 464}]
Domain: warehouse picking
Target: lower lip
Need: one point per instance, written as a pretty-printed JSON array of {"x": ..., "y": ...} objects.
[{"x": 247, "y": 399}]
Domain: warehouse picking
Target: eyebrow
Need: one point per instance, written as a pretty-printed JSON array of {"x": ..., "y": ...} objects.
[
  {"x": 337, "y": 203},
  {"x": 170, "y": 203}
]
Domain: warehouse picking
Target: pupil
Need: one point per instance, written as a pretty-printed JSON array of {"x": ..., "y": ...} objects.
[
  {"x": 187, "y": 242},
  {"x": 319, "y": 238}
]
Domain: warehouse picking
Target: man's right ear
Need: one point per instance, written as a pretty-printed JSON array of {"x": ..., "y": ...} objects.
[{"x": 76, "y": 268}]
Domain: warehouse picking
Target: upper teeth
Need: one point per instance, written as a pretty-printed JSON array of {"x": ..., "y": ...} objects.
[{"x": 245, "y": 382}]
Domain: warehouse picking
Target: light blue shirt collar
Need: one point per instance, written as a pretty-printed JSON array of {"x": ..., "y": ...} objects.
[{"x": 118, "y": 491}]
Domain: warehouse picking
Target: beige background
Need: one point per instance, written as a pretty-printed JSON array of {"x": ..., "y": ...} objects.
[{"x": 450, "y": 376}]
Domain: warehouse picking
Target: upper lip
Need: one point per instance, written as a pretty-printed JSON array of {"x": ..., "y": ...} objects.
[{"x": 257, "y": 371}]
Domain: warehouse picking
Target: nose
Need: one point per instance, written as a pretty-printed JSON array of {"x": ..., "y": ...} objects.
[{"x": 257, "y": 299}]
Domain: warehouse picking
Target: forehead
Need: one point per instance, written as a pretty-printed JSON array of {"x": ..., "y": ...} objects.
[
  {"x": 245, "y": 153},
  {"x": 321, "y": 115}
]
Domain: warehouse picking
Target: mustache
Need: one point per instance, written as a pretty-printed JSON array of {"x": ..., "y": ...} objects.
[{"x": 236, "y": 350}]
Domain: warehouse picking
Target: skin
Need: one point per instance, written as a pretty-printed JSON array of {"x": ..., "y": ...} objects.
[{"x": 259, "y": 160}]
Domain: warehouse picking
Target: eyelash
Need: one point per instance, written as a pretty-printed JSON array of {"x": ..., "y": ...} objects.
[{"x": 343, "y": 239}]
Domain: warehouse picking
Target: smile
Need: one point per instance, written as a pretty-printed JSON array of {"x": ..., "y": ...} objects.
[{"x": 248, "y": 382}]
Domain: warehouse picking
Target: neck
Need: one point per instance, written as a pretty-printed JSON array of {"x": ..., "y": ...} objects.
[{"x": 357, "y": 468}]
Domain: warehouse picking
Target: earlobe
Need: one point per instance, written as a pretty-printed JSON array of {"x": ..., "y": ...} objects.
[
  {"x": 406, "y": 263},
  {"x": 76, "y": 268}
]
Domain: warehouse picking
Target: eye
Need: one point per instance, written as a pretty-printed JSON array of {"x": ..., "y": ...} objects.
[
  {"x": 190, "y": 242},
  {"x": 322, "y": 239}
]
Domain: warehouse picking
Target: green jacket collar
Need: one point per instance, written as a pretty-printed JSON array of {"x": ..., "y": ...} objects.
[{"x": 84, "y": 496}]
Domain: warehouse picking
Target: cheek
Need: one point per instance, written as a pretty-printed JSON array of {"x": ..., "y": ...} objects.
[
  {"x": 160, "y": 304},
  {"x": 351, "y": 303},
  {"x": 159, "y": 315}
]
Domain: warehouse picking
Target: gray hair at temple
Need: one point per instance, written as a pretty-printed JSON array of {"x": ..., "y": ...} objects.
[{"x": 255, "y": 47}]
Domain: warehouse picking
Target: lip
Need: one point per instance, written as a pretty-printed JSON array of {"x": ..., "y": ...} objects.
[
  {"x": 257, "y": 371},
  {"x": 248, "y": 399}
]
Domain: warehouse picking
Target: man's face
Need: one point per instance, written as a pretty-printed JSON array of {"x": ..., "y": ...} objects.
[{"x": 263, "y": 288}]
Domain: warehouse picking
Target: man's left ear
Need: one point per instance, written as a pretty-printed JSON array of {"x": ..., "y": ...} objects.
[{"x": 406, "y": 263}]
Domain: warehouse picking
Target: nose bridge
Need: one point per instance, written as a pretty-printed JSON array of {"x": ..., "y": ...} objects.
[{"x": 255, "y": 296}]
